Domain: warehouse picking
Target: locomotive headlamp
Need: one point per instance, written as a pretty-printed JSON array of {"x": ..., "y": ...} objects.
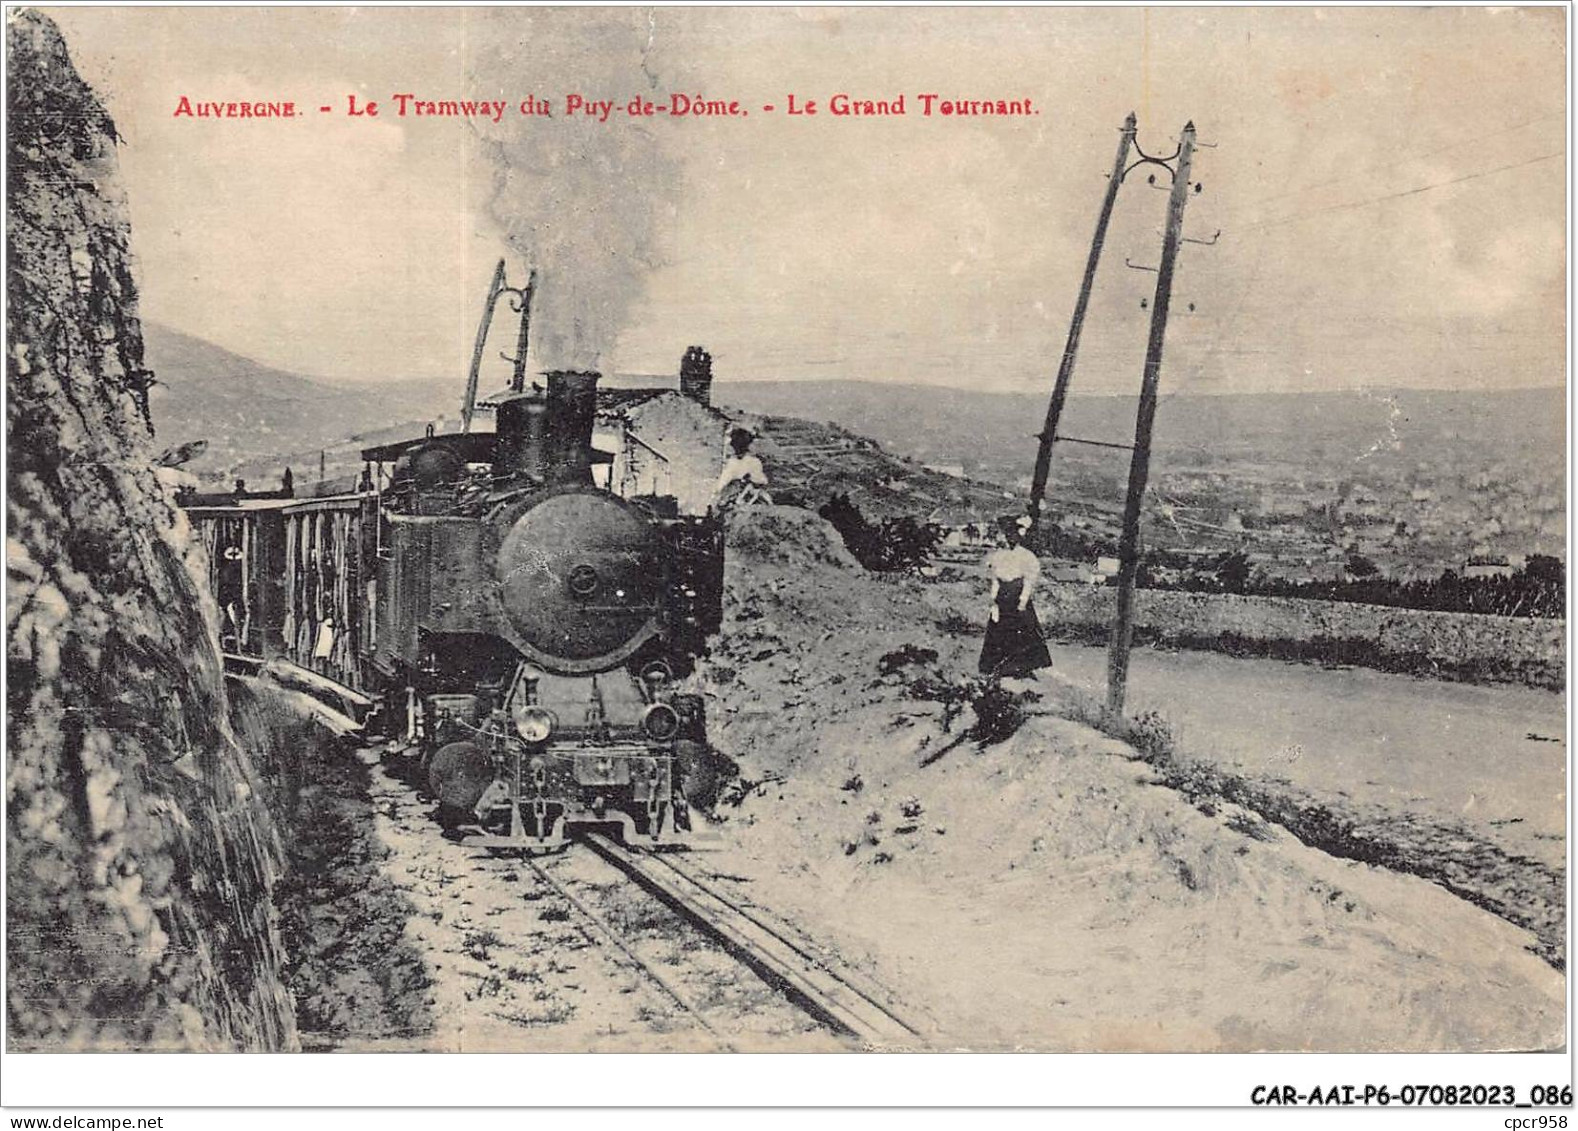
[
  {"x": 656, "y": 673},
  {"x": 660, "y": 722},
  {"x": 534, "y": 724}
]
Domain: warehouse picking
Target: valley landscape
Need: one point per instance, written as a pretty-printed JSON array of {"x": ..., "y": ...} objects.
[
  {"x": 1359, "y": 792},
  {"x": 1414, "y": 482}
]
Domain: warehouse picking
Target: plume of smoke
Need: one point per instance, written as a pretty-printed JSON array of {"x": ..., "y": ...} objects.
[{"x": 581, "y": 200}]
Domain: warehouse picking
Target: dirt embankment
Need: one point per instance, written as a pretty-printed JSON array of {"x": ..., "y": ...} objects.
[
  {"x": 1519, "y": 889},
  {"x": 352, "y": 972},
  {"x": 1052, "y": 891},
  {"x": 1427, "y": 778},
  {"x": 141, "y": 860}
]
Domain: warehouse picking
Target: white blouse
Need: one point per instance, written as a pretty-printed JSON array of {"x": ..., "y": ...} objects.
[
  {"x": 1015, "y": 564},
  {"x": 747, "y": 467}
]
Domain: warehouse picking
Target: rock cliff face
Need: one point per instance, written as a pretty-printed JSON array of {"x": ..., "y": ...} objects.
[{"x": 140, "y": 858}]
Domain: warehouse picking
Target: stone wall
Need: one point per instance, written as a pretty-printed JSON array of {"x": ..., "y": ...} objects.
[{"x": 1449, "y": 645}]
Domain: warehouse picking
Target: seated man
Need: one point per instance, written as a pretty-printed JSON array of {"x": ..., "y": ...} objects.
[{"x": 743, "y": 481}]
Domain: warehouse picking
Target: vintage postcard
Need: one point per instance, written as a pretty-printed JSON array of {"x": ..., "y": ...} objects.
[{"x": 840, "y": 530}]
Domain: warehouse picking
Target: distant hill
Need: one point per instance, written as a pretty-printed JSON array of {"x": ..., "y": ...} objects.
[
  {"x": 245, "y": 409},
  {"x": 993, "y": 435},
  {"x": 807, "y": 462},
  {"x": 258, "y": 420},
  {"x": 1466, "y": 458}
]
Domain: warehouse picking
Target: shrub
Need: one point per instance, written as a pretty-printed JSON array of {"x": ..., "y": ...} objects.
[
  {"x": 903, "y": 543},
  {"x": 907, "y": 543},
  {"x": 956, "y": 623},
  {"x": 1537, "y": 590},
  {"x": 907, "y": 656},
  {"x": 479, "y": 944},
  {"x": 999, "y": 713},
  {"x": 859, "y": 537},
  {"x": 1150, "y": 734}
]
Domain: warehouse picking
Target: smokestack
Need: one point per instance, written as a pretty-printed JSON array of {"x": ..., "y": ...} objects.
[
  {"x": 695, "y": 375},
  {"x": 572, "y": 410},
  {"x": 521, "y": 422}
]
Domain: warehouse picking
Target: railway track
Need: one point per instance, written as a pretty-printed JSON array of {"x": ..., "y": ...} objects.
[
  {"x": 601, "y": 927},
  {"x": 782, "y": 963},
  {"x": 820, "y": 985}
]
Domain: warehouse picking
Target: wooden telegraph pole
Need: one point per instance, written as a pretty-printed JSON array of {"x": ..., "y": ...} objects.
[
  {"x": 1139, "y": 469},
  {"x": 1065, "y": 370}
]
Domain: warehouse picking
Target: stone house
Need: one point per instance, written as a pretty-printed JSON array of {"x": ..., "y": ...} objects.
[{"x": 664, "y": 441}]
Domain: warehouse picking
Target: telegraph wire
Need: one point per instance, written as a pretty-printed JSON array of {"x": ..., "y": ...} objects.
[
  {"x": 1477, "y": 138},
  {"x": 1217, "y": 346},
  {"x": 1280, "y": 220},
  {"x": 1215, "y": 350}
]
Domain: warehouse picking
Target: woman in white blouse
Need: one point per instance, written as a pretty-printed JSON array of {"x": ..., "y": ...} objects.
[{"x": 1014, "y": 645}]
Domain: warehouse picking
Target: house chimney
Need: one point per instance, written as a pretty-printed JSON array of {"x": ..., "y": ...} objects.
[{"x": 695, "y": 375}]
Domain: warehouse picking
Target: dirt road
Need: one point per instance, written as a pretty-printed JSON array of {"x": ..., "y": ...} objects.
[{"x": 1491, "y": 758}]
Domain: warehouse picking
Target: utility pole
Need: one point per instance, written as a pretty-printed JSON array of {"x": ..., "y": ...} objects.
[
  {"x": 1139, "y": 469},
  {"x": 1065, "y": 370}
]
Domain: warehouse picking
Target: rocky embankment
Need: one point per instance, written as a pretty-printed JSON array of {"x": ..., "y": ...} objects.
[{"x": 141, "y": 859}]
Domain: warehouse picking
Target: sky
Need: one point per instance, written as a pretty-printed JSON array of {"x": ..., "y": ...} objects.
[{"x": 1388, "y": 184}]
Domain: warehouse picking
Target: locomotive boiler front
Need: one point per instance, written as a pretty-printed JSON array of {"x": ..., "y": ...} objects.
[
  {"x": 578, "y": 573},
  {"x": 491, "y": 609}
]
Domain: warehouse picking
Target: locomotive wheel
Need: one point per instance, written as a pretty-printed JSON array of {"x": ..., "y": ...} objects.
[
  {"x": 458, "y": 775},
  {"x": 698, "y": 773}
]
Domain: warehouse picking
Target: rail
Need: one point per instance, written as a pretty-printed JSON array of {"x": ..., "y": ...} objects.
[
  {"x": 603, "y": 928},
  {"x": 816, "y": 984}
]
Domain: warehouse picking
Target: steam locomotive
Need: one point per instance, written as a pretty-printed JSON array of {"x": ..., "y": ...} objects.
[{"x": 527, "y": 630}]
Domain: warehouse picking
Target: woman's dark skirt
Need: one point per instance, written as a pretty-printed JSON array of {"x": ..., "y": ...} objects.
[{"x": 1014, "y": 645}]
